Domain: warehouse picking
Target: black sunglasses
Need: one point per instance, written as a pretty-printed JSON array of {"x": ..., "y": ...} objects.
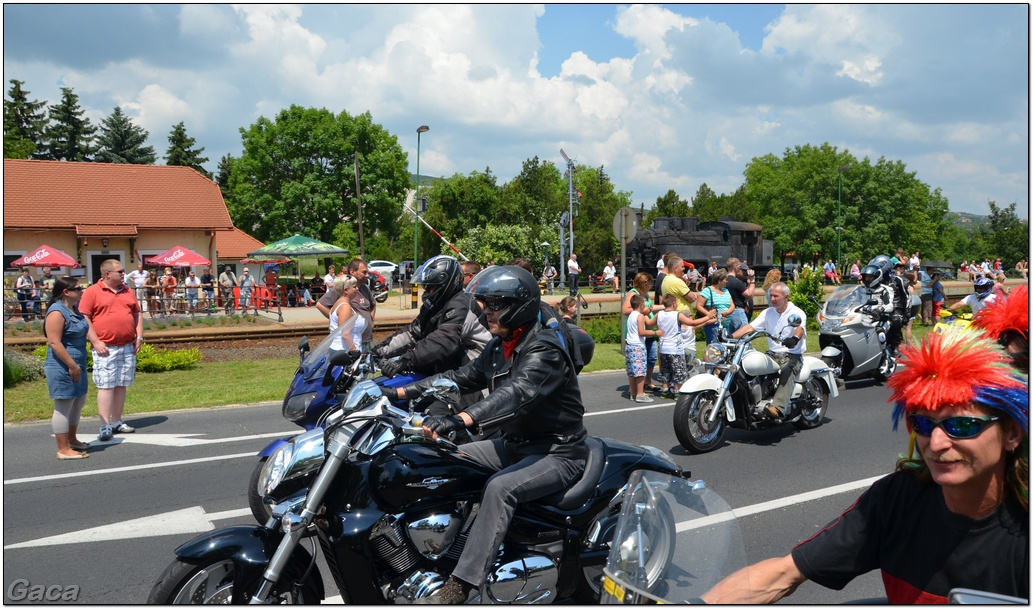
[
  {"x": 496, "y": 304},
  {"x": 77, "y": 288},
  {"x": 959, "y": 428}
]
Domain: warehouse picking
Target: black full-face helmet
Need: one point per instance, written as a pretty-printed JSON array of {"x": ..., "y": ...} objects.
[
  {"x": 441, "y": 278},
  {"x": 515, "y": 287}
]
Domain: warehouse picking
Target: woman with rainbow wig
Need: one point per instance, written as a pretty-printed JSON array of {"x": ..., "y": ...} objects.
[{"x": 955, "y": 514}]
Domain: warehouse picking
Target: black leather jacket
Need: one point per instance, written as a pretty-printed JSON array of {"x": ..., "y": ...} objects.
[
  {"x": 442, "y": 340},
  {"x": 534, "y": 397}
]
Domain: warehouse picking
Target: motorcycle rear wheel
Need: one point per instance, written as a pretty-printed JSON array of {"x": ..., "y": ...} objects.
[
  {"x": 259, "y": 509},
  {"x": 813, "y": 412},
  {"x": 691, "y": 425},
  {"x": 211, "y": 582},
  {"x": 661, "y": 538}
]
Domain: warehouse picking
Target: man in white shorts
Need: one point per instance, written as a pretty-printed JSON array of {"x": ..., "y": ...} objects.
[{"x": 115, "y": 321}]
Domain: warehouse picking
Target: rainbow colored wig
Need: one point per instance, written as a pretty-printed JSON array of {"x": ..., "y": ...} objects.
[
  {"x": 1003, "y": 314},
  {"x": 956, "y": 368}
]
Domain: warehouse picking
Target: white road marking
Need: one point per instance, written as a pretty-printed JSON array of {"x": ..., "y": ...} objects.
[
  {"x": 180, "y": 440},
  {"x": 775, "y": 504},
  {"x": 128, "y": 468},
  {"x": 632, "y": 409},
  {"x": 178, "y": 522}
]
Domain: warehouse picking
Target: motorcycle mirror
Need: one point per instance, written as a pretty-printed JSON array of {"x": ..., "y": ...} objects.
[
  {"x": 795, "y": 321},
  {"x": 303, "y": 347},
  {"x": 871, "y": 302},
  {"x": 814, "y": 300},
  {"x": 446, "y": 391}
]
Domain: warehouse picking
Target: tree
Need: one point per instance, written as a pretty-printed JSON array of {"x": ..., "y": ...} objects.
[
  {"x": 455, "y": 205},
  {"x": 1006, "y": 235},
  {"x": 222, "y": 175},
  {"x": 69, "y": 136},
  {"x": 296, "y": 175},
  {"x": 120, "y": 141},
  {"x": 24, "y": 123},
  {"x": 181, "y": 151},
  {"x": 498, "y": 242},
  {"x": 594, "y": 242},
  {"x": 884, "y": 206},
  {"x": 668, "y": 206}
]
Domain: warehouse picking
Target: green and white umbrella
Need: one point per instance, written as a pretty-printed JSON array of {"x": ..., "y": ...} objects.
[{"x": 295, "y": 246}]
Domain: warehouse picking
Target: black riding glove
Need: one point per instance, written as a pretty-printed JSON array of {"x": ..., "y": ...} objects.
[
  {"x": 444, "y": 425},
  {"x": 791, "y": 342},
  {"x": 392, "y": 367}
]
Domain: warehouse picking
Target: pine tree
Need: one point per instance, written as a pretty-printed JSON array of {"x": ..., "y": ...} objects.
[
  {"x": 222, "y": 175},
  {"x": 69, "y": 137},
  {"x": 181, "y": 151},
  {"x": 24, "y": 122},
  {"x": 121, "y": 141}
]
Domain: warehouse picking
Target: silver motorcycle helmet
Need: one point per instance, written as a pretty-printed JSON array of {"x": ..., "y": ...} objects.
[{"x": 872, "y": 276}]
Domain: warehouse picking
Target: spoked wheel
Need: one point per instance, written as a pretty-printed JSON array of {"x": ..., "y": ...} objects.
[
  {"x": 211, "y": 583},
  {"x": 692, "y": 422},
  {"x": 813, "y": 411},
  {"x": 658, "y": 546},
  {"x": 259, "y": 509}
]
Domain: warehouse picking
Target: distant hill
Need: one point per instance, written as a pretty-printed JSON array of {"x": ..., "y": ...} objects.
[{"x": 968, "y": 221}]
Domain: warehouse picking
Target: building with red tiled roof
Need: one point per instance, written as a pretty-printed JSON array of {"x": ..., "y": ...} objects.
[
  {"x": 234, "y": 245},
  {"x": 95, "y": 211}
]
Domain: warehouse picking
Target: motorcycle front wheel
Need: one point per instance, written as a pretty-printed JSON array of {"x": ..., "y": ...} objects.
[
  {"x": 211, "y": 583},
  {"x": 660, "y": 541},
  {"x": 813, "y": 411},
  {"x": 692, "y": 422},
  {"x": 259, "y": 509},
  {"x": 887, "y": 366}
]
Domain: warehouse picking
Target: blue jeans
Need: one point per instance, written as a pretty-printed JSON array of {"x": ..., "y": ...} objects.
[
  {"x": 737, "y": 320},
  {"x": 517, "y": 482}
]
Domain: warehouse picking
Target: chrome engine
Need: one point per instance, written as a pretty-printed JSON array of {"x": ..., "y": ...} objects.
[{"x": 529, "y": 578}]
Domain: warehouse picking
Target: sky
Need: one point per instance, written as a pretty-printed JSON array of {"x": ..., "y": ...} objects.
[{"x": 663, "y": 96}]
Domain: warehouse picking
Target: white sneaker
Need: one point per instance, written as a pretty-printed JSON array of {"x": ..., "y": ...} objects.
[
  {"x": 122, "y": 427},
  {"x": 644, "y": 399},
  {"x": 105, "y": 433}
]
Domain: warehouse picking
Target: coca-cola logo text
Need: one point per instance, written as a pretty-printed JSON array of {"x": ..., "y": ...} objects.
[
  {"x": 40, "y": 255},
  {"x": 175, "y": 256}
]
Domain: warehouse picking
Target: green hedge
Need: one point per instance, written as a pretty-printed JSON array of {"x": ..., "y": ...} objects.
[{"x": 149, "y": 359}]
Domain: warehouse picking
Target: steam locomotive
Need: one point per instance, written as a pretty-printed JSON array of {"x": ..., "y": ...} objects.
[{"x": 699, "y": 243}]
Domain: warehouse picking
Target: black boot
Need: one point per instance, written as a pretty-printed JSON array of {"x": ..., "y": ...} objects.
[{"x": 454, "y": 592}]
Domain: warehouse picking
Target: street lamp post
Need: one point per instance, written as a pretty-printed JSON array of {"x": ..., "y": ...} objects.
[
  {"x": 839, "y": 217},
  {"x": 416, "y": 219}
]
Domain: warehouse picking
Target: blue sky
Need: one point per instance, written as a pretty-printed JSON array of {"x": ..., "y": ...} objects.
[{"x": 665, "y": 96}]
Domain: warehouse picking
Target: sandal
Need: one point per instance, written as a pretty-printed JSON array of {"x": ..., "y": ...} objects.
[
  {"x": 61, "y": 457},
  {"x": 650, "y": 388},
  {"x": 80, "y": 445}
]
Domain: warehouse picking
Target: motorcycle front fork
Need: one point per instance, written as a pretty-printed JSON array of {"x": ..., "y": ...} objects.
[{"x": 721, "y": 397}]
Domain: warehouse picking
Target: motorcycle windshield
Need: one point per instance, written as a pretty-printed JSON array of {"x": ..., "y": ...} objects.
[
  {"x": 675, "y": 539},
  {"x": 845, "y": 299},
  {"x": 315, "y": 363}
]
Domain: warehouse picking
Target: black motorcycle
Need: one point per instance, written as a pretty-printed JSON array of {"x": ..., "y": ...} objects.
[{"x": 392, "y": 509}]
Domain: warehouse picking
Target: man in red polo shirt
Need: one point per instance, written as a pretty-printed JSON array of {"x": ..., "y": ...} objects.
[{"x": 113, "y": 313}]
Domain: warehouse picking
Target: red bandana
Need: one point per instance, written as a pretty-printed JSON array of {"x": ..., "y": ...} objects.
[{"x": 510, "y": 343}]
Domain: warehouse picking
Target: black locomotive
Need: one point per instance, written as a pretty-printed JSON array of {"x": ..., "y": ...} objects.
[{"x": 699, "y": 243}]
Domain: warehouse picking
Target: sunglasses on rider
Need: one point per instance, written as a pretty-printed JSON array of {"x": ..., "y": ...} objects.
[
  {"x": 496, "y": 304},
  {"x": 958, "y": 428}
]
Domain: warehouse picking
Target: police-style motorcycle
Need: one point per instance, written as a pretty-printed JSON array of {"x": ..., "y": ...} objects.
[
  {"x": 391, "y": 511},
  {"x": 739, "y": 384}
]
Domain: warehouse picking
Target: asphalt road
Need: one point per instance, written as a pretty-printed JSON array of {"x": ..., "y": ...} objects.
[{"x": 109, "y": 524}]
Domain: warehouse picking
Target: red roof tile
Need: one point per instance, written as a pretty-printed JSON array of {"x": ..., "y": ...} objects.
[
  {"x": 49, "y": 194},
  {"x": 235, "y": 244}
]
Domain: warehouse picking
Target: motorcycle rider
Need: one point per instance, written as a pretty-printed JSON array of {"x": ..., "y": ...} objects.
[
  {"x": 872, "y": 277},
  {"x": 449, "y": 330},
  {"x": 983, "y": 296},
  {"x": 1007, "y": 321},
  {"x": 534, "y": 396},
  {"x": 788, "y": 354}
]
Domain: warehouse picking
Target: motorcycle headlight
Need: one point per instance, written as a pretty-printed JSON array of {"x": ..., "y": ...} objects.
[
  {"x": 296, "y": 407},
  {"x": 715, "y": 352},
  {"x": 295, "y": 459}
]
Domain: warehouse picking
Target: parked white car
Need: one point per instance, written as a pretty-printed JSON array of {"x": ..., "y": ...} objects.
[{"x": 385, "y": 268}]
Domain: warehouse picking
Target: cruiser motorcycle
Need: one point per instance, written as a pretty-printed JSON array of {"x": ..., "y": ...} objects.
[
  {"x": 737, "y": 387},
  {"x": 853, "y": 335},
  {"x": 320, "y": 384},
  {"x": 391, "y": 511}
]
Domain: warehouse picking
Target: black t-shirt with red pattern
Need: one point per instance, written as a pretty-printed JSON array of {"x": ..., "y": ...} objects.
[{"x": 903, "y": 527}]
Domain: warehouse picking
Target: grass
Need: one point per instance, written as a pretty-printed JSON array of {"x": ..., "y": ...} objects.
[{"x": 242, "y": 382}]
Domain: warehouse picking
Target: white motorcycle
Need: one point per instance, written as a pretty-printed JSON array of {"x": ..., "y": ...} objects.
[{"x": 737, "y": 387}]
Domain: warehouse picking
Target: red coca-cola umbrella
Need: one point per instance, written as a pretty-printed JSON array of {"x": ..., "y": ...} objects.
[
  {"x": 178, "y": 256},
  {"x": 45, "y": 255}
]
